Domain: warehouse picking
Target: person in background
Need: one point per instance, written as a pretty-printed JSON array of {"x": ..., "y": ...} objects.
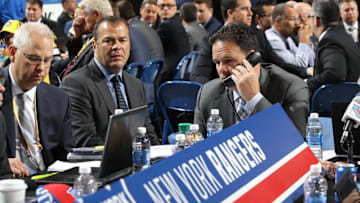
[
  {"x": 205, "y": 17},
  {"x": 102, "y": 86},
  {"x": 194, "y": 31},
  {"x": 256, "y": 87},
  {"x": 337, "y": 57},
  {"x": 7, "y": 35},
  {"x": 67, "y": 14},
  {"x": 149, "y": 13},
  {"x": 38, "y": 115},
  {"x": 263, "y": 14},
  {"x": 349, "y": 15}
]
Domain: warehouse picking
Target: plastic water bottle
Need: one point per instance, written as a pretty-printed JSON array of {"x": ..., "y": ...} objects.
[
  {"x": 141, "y": 150},
  {"x": 214, "y": 123},
  {"x": 194, "y": 135},
  {"x": 85, "y": 183},
  {"x": 315, "y": 186},
  {"x": 314, "y": 135},
  {"x": 180, "y": 143}
]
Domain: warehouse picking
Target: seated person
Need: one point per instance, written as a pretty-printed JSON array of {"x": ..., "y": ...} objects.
[
  {"x": 256, "y": 88},
  {"x": 38, "y": 123},
  {"x": 102, "y": 86},
  {"x": 5, "y": 171}
]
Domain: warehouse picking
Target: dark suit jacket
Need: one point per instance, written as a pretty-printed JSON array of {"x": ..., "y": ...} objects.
[
  {"x": 212, "y": 25},
  {"x": 5, "y": 171},
  {"x": 62, "y": 20},
  {"x": 176, "y": 45},
  {"x": 205, "y": 70},
  {"x": 337, "y": 59},
  {"x": 139, "y": 51},
  {"x": 92, "y": 103},
  {"x": 54, "y": 119},
  {"x": 276, "y": 85}
]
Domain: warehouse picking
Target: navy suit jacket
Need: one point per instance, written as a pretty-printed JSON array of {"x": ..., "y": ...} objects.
[
  {"x": 212, "y": 25},
  {"x": 53, "y": 114}
]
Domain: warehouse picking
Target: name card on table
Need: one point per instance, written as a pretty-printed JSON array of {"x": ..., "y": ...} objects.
[{"x": 261, "y": 159}]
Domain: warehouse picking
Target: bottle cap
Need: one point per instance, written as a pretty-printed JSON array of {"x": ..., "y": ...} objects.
[
  {"x": 315, "y": 168},
  {"x": 142, "y": 130},
  {"x": 180, "y": 137},
  {"x": 214, "y": 111},
  {"x": 194, "y": 127},
  {"x": 184, "y": 127},
  {"x": 118, "y": 111},
  {"x": 84, "y": 170},
  {"x": 314, "y": 115}
]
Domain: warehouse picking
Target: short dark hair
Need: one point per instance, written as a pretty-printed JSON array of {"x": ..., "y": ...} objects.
[
  {"x": 108, "y": 19},
  {"x": 188, "y": 12},
  {"x": 152, "y": 2},
  {"x": 259, "y": 7},
  {"x": 38, "y": 2},
  {"x": 207, "y": 2},
  {"x": 226, "y": 5},
  {"x": 126, "y": 10},
  {"x": 280, "y": 10},
  {"x": 328, "y": 11},
  {"x": 346, "y": 1},
  {"x": 239, "y": 33}
]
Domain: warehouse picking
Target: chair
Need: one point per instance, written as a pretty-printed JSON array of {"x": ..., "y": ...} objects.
[
  {"x": 326, "y": 94},
  {"x": 148, "y": 76},
  {"x": 134, "y": 69},
  {"x": 179, "y": 96},
  {"x": 184, "y": 67}
]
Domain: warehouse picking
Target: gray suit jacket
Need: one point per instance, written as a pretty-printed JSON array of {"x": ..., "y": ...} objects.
[
  {"x": 276, "y": 85},
  {"x": 195, "y": 34},
  {"x": 92, "y": 104}
]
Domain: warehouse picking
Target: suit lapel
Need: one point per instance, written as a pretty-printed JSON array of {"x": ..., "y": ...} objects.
[
  {"x": 131, "y": 95},
  {"x": 227, "y": 109}
]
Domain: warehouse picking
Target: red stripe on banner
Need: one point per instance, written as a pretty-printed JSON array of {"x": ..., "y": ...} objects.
[{"x": 279, "y": 181}]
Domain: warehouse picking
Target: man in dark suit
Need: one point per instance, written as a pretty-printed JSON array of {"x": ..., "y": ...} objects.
[
  {"x": 173, "y": 37},
  {"x": 256, "y": 88},
  {"x": 205, "y": 17},
  {"x": 37, "y": 115},
  {"x": 238, "y": 11},
  {"x": 67, "y": 14},
  {"x": 337, "y": 57},
  {"x": 349, "y": 13},
  {"x": 94, "y": 93},
  {"x": 5, "y": 171}
]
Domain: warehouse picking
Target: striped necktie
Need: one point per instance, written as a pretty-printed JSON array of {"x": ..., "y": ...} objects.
[
  {"x": 120, "y": 100},
  {"x": 241, "y": 111}
]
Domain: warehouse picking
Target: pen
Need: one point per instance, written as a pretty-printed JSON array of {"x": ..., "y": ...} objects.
[
  {"x": 39, "y": 177},
  {"x": 99, "y": 147}
]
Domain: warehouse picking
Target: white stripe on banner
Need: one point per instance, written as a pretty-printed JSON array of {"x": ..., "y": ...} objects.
[
  {"x": 265, "y": 174},
  {"x": 292, "y": 189}
]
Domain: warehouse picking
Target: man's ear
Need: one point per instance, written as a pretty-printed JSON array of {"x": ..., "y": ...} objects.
[
  {"x": 94, "y": 44},
  {"x": 12, "y": 52},
  {"x": 229, "y": 13}
]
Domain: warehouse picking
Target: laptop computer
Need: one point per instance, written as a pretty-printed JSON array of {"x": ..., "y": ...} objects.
[
  {"x": 117, "y": 156},
  {"x": 337, "y": 112}
]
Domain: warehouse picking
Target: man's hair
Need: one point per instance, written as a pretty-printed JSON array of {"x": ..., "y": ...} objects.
[
  {"x": 103, "y": 6},
  {"x": 328, "y": 11},
  {"x": 239, "y": 33},
  {"x": 188, "y": 12},
  {"x": 207, "y": 2},
  {"x": 346, "y": 1},
  {"x": 126, "y": 10},
  {"x": 113, "y": 20},
  {"x": 226, "y": 5},
  {"x": 280, "y": 11},
  {"x": 259, "y": 7},
  {"x": 22, "y": 37},
  {"x": 152, "y": 2},
  {"x": 38, "y": 2}
]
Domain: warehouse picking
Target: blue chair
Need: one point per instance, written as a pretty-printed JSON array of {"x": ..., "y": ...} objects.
[
  {"x": 179, "y": 96},
  {"x": 328, "y": 93},
  {"x": 185, "y": 65},
  {"x": 148, "y": 76},
  {"x": 134, "y": 69}
]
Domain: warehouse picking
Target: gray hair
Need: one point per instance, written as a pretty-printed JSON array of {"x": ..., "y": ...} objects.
[
  {"x": 103, "y": 6},
  {"x": 280, "y": 11},
  {"x": 328, "y": 11},
  {"x": 22, "y": 35}
]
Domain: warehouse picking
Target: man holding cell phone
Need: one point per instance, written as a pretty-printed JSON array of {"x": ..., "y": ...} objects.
[{"x": 254, "y": 88}]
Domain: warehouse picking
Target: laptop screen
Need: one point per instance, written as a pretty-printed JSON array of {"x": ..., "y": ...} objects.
[
  {"x": 337, "y": 112},
  {"x": 118, "y": 144}
]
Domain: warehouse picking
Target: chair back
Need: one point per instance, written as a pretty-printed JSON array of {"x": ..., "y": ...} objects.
[
  {"x": 134, "y": 69},
  {"x": 328, "y": 93},
  {"x": 148, "y": 76},
  {"x": 179, "y": 96},
  {"x": 185, "y": 65}
]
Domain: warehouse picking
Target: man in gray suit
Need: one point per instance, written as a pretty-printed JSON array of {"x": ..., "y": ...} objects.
[
  {"x": 102, "y": 86},
  {"x": 255, "y": 87}
]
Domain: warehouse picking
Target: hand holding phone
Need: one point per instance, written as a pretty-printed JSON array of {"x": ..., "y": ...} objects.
[{"x": 253, "y": 58}]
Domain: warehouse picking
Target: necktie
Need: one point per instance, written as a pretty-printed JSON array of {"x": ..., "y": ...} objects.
[
  {"x": 121, "y": 103},
  {"x": 287, "y": 45},
  {"x": 241, "y": 111}
]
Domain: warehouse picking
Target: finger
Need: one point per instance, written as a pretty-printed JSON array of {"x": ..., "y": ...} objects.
[{"x": 249, "y": 67}]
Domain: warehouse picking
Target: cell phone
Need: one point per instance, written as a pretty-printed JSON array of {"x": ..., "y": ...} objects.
[
  {"x": 345, "y": 185},
  {"x": 253, "y": 58}
]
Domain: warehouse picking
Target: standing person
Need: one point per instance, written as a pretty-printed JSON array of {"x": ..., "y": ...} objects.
[
  {"x": 149, "y": 13},
  {"x": 67, "y": 14},
  {"x": 205, "y": 17},
  {"x": 349, "y": 13}
]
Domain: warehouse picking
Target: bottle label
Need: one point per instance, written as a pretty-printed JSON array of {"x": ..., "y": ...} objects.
[
  {"x": 141, "y": 157},
  {"x": 314, "y": 139},
  {"x": 212, "y": 132}
]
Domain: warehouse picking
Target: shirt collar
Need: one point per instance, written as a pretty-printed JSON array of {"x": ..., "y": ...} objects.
[
  {"x": 108, "y": 75},
  {"x": 323, "y": 34},
  {"x": 236, "y": 95},
  {"x": 16, "y": 90},
  {"x": 278, "y": 33},
  {"x": 353, "y": 26}
]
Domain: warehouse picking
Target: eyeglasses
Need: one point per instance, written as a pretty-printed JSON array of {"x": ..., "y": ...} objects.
[
  {"x": 162, "y": 6},
  {"x": 291, "y": 18},
  {"x": 266, "y": 15},
  {"x": 36, "y": 60}
]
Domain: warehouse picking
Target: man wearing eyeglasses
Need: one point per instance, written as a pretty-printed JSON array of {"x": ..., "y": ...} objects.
[
  {"x": 37, "y": 115},
  {"x": 285, "y": 25},
  {"x": 173, "y": 38},
  {"x": 263, "y": 14}
]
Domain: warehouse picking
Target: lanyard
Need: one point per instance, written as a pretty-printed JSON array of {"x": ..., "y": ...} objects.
[
  {"x": 36, "y": 127},
  {"x": 85, "y": 45}
]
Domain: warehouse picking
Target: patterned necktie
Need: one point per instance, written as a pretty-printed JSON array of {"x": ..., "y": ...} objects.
[
  {"x": 241, "y": 111},
  {"x": 121, "y": 103}
]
